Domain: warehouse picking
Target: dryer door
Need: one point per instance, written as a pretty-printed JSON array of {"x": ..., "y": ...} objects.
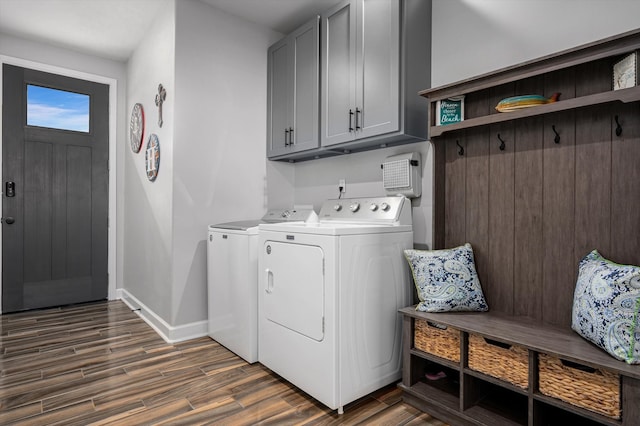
[{"x": 294, "y": 287}]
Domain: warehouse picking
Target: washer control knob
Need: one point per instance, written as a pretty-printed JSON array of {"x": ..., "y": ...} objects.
[
  {"x": 286, "y": 213},
  {"x": 373, "y": 207},
  {"x": 337, "y": 207},
  {"x": 384, "y": 207},
  {"x": 354, "y": 207}
]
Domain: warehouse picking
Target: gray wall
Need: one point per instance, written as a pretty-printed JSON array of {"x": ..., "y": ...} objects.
[
  {"x": 472, "y": 37},
  {"x": 219, "y": 169},
  {"x": 148, "y": 213},
  {"x": 212, "y": 166}
]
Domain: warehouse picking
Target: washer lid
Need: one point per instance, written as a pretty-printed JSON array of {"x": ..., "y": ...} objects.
[
  {"x": 272, "y": 216},
  {"x": 241, "y": 225}
]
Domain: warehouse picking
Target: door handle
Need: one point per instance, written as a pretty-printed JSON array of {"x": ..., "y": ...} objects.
[
  {"x": 286, "y": 137},
  {"x": 8, "y": 220},
  {"x": 269, "y": 287},
  {"x": 358, "y": 112},
  {"x": 290, "y": 135}
]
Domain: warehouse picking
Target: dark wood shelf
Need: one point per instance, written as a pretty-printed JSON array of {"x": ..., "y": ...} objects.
[
  {"x": 436, "y": 396},
  {"x": 495, "y": 381},
  {"x": 442, "y": 361},
  {"x": 624, "y": 95},
  {"x": 576, "y": 410},
  {"x": 486, "y": 416}
]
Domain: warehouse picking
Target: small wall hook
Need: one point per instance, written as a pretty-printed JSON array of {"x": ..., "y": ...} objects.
[
  {"x": 461, "y": 150},
  {"x": 556, "y": 139},
  {"x": 502, "y": 146},
  {"x": 618, "y": 127}
]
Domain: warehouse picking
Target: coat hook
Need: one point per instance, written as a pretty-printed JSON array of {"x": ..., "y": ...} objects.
[
  {"x": 557, "y": 138},
  {"x": 502, "y": 146},
  {"x": 618, "y": 127},
  {"x": 461, "y": 150}
]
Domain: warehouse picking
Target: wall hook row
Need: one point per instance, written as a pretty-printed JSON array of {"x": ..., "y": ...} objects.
[
  {"x": 618, "y": 127},
  {"x": 461, "y": 150},
  {"x": 556, "y": 139},
  {"x": 502, "y": 145}
]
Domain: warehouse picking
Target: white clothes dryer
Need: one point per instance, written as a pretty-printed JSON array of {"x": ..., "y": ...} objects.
[
  {"x": 232, "y": 280},
  {"x": 329, "y": 295}
]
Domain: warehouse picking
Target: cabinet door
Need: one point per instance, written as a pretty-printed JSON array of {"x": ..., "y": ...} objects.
[
  {"x": 338, "y": 76},
  {"x": 377, "y": 65},
  {"x": 279, "y": 95},
  {"x": 305, "y": 58}
]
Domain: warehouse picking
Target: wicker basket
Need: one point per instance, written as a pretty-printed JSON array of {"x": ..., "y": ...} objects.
[
  {"x": 505, "y": 362},
  {"x": 586, "y": 387},
  {"x": 436, "y": 339}
]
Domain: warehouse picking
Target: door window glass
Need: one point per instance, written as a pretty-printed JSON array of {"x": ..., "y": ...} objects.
[{"x": 57, "y": 109}]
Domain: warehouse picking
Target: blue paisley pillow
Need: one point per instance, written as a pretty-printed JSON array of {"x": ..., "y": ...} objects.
[
  {"x": 446, "y": 280},
  {"x": 605, "y": 306}
]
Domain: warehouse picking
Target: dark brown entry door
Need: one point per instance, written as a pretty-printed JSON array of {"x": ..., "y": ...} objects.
[{"x": 55, "y": 197}]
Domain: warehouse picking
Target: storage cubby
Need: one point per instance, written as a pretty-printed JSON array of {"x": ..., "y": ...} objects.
[
  {"x": 495, "y": 403},
  {"x": 449, "y": 384},
  {"x": 549, "y": 415}
]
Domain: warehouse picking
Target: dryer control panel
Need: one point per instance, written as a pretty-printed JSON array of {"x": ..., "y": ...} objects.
[
  {"x": 382, "y": 210},
  {"x": 290, "y": 215}
]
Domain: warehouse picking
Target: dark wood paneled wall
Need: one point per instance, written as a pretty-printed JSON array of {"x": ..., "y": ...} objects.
[{"x": 534, "y": 209}]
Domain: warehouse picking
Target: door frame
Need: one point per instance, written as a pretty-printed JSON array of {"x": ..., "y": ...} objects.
[{"x": 113, "y": 104}]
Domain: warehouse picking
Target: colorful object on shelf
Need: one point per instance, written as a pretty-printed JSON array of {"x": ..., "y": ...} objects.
[
  {"x": 524, "y": 101},
  {"x": 450, "y": 111},
  {"x": 625, "y": 72},
  {"x": 436, "y": 376}
]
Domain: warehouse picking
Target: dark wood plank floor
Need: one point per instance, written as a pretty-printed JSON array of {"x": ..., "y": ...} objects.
[{"x": 100, "y": 363}]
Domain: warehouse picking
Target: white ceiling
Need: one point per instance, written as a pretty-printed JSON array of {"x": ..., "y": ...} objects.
[
  {"x": 279, "y": 15},
  {"x": 113, "y": 28}
]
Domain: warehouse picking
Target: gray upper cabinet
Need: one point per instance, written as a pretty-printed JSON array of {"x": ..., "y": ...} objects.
[
  {"x": 349, "y": 80},
  {"x": 293, "y": 90},
  {"x": 375, "y": 56}
]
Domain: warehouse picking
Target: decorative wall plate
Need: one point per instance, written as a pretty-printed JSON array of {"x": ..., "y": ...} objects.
[
  {"x": 136, "y": 127},
  {"x": 152, "y": 157}
]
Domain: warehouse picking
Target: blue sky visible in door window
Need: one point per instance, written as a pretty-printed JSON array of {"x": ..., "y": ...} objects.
[{"x": 57, "y": 109}]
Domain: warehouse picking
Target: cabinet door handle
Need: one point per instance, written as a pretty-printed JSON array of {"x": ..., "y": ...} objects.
[
  {"x": 286, "y": 137},
  {"x": 290, "y": 135},
  {"x": 357, "y": 125},
  {"x": 350, "y": 120}
]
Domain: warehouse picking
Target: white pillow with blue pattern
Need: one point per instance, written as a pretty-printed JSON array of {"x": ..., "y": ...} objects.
[
  {"x": 446, "y": 280},
  {"x": 605, "y": 306}
]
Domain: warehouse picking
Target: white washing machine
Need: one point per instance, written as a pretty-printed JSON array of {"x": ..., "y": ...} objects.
[
  {"x": 329, "y": 294},
  {"x": 232, "y": 280}
]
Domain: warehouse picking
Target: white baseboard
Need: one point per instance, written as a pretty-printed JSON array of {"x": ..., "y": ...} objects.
[{"x": 170, "y": 334}]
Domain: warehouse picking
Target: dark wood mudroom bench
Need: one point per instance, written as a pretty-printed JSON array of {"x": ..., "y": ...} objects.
[
  {"x": 469, "y": 401},
  {"x": 533, "y": 191}
]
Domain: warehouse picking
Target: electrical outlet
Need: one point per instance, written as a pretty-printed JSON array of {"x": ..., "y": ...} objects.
[{"x": 342, "y": 186}]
